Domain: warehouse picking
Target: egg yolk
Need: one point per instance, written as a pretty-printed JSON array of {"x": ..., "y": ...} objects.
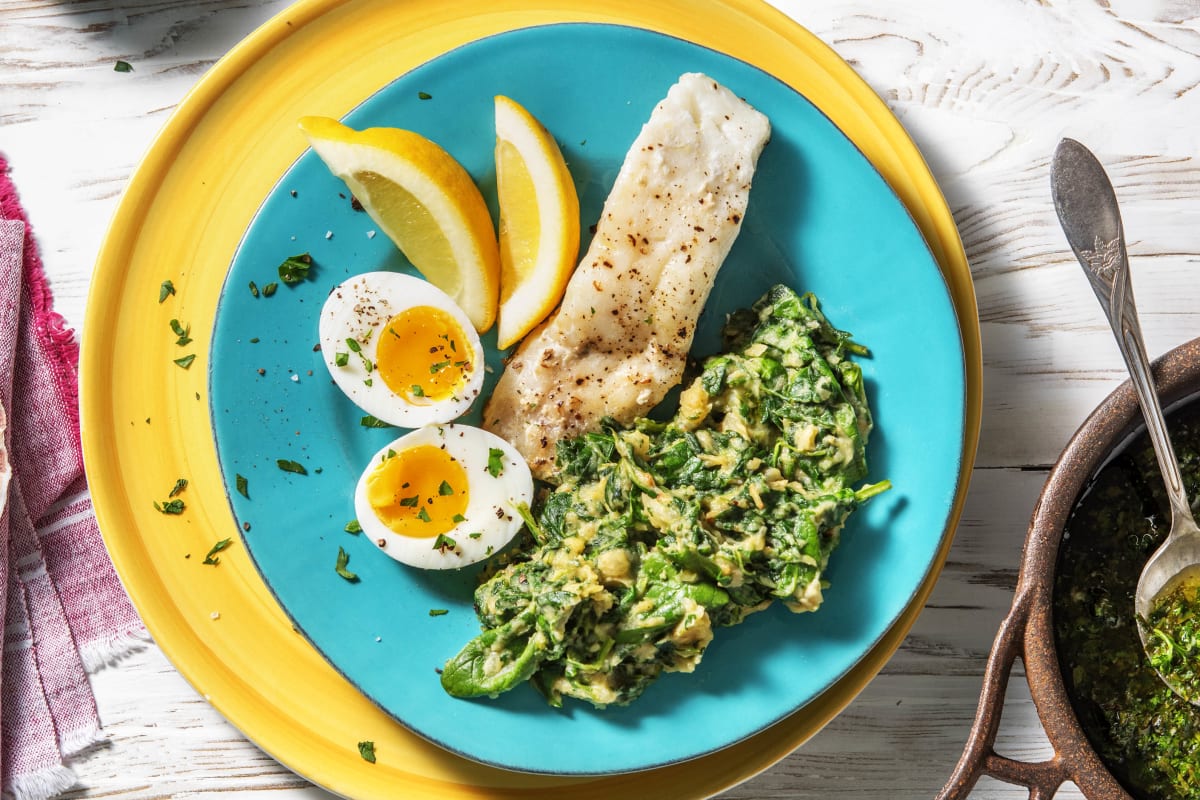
[
  {"x": 423, "y": 354},
  {"x": 418, "y": 492}
]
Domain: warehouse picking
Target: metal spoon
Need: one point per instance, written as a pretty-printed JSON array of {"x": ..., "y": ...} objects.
[{"x": 1087, "y": 210}]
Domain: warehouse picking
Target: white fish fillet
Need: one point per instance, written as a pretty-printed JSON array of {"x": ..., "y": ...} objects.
[{"x": 620, "y": 339}]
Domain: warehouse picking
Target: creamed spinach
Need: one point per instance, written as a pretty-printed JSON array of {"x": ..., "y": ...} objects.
[{"x": 658, "y": 532}]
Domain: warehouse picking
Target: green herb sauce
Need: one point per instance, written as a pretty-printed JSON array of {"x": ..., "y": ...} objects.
[
  {"x": 1147, "y": 736},
  {"x": 1173, "y": 639},
  {"x": 659, "y": 532}
]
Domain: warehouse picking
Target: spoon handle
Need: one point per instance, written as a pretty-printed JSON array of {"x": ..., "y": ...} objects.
[{"x": 1087, "y": 209}]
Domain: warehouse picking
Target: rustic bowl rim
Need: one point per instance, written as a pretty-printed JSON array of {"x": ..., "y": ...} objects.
[{"x": 1102, "y": 434}]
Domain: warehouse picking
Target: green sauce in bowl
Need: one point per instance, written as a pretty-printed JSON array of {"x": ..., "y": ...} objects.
[
  {"x": 1148, "y": 736},
  {"x": 1173, "y": 639}
]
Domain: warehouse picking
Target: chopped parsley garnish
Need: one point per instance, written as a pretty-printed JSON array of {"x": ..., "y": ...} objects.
[
  {"x": 367, "y": 751},
  {"x": 122, "y": 66},
  {"x": 343, "y": 558},
  {"x": 180, "y": 485},
  {"x": 417, "y": 391},
  {"x": 495, "y": 465},
  {"x": 165, "y": 290},
  {"x": 170, "y": 507},
  {"x": 410, "y": 502},
  {"x": 524, "y": 513},
  {"x": 243, "y": 487},
  {"x": 438, "y": 612},
  {"x": 186, "y": 361},
  {"x": 444, "y": 542},
  {"x": 476, "y": 535},
  {"x": 295, "y": 268},
  {"x": 212, "y": 558},
  {"x": 353, "y": 344},
  {"x": 445, "y": 489},
  {"x": 374, "y": 422},
  {"x": 269, "y": 289},
  {"x": 291, "y": 466},
  {"x": 341, "y": 359},
  {"x": 424, "y": 96},
  {"x": 423, "y": 515},
  {"x": 457, "y": 518},
  {"x": 182, "y": 332},
  {"x": 434, "y": 369},
  {"x": 253, "y": 289},
  {"x": 353, "y": 526}
]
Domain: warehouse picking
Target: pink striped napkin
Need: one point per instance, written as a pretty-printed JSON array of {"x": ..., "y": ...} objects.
[{"x": 65, "y": 612}]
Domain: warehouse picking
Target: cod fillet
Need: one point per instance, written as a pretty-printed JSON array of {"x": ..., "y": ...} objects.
[{"x": 620, "y": 338}]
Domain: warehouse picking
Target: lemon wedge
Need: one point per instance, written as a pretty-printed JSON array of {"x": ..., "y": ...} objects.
[
  {"x": 425, "y": 202},
  {"x": 539, "y": 221}
]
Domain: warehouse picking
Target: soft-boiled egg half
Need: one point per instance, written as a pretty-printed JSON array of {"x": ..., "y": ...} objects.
[
  {"x": 401, "y": 349},
  {"x": 443, "y": 496}
]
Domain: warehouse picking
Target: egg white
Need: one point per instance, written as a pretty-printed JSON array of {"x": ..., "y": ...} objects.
[
  {"x": 358, "y": 309},
  {"x": 491, "y": 506}
]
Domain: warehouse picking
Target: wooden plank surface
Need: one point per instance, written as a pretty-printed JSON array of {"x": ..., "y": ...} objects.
[{"x": 985, "y": 88}]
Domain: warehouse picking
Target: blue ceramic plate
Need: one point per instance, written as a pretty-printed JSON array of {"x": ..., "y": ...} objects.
[{"x": 820, "y": 219}]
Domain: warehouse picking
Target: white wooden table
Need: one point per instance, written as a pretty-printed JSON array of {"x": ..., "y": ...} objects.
[{"x": 986, "y": 87}]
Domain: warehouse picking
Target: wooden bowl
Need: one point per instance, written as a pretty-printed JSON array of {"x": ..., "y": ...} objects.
[{"x": 1028, "y": 630}]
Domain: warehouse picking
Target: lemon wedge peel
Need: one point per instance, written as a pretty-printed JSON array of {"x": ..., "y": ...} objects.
[
  {"x": 539, "y": 221},
  {"x": 425, "y": 202}
]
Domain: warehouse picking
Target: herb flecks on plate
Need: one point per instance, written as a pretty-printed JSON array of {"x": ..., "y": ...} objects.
[
  {"x": 294, "y": 467},
  {"x": 341, "y": 568},
  {"x": 661, "y": 531},
  {"x": 182, "y": 332},
  {"x": 295, "y": 269},
  {"x": 211, "y": 558},
  {"x": 173, "y": 505}
]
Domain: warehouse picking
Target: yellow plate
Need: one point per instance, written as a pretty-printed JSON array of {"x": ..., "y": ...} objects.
[{"x": 146, "y": 421}]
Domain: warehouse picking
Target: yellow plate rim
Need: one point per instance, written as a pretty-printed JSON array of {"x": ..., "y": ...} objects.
[{"x": 126, "y": 373}]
